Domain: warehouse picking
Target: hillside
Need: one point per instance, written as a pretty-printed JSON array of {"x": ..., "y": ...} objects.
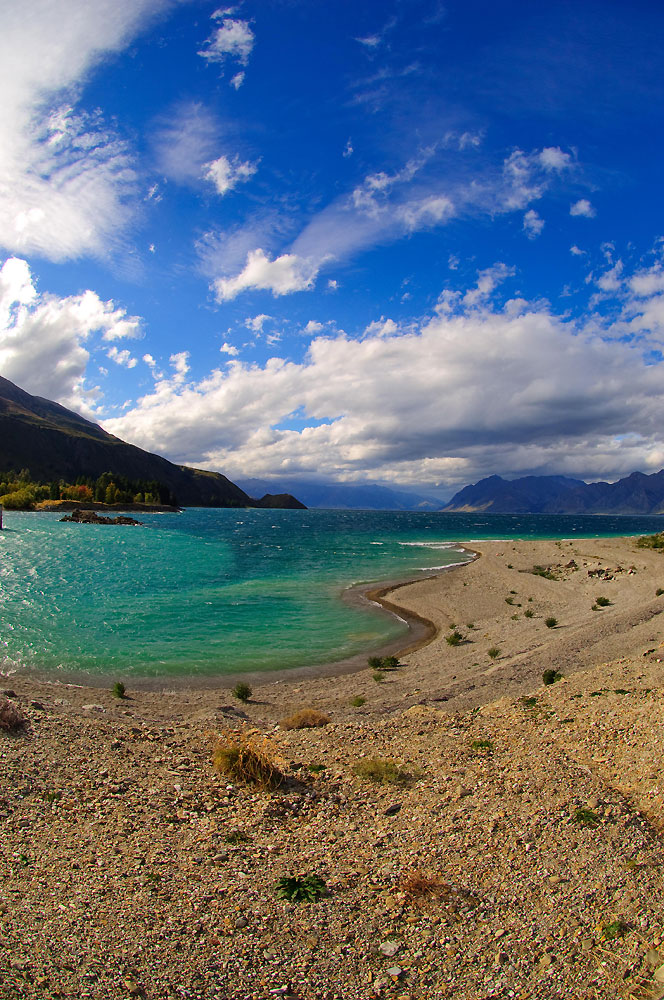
[
  {"x": 635, "y": 494},
  {"x": 54, "y": 442}
]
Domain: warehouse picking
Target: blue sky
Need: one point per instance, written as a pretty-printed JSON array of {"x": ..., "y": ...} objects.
[{"x": 400, "y": 242}]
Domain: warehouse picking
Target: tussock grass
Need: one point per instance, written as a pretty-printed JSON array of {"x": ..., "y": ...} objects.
[
  {"x": 381, "y": 770},
  {"x": 246, "y": 758},
  {"x": 306, "y": 718}
]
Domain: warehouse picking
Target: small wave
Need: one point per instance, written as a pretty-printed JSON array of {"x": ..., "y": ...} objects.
[
  {"x": 376, "y": 543},
  {"x": 429, "y": 545}
]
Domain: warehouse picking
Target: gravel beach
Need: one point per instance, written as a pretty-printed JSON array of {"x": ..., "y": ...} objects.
[{"x": 514, "y": 851}]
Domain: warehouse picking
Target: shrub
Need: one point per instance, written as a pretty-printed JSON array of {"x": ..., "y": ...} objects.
[
  {"x": 246, "y": 759},
  {"x": 237, "y": 837},
  {"x": 528, "y": 702},
  {"x": 316, "y": 768},
  {"x": 585, "y": 817},
  {"x": 482, "y": 746},
  {"x": 357, "y": 701},
  {"x": 242, "y": 692},
  {"x": 301, "y": 888},
  {"x": 545, "y": 572},
  {"x": 12, "y": 719},
  {"x": 306, "y": 718},
  {"x": 651, "y": 541},
  {"x": 383, "y": 662},
  {"x": 378, "y": 676},
  {"x": 659, "y": 592},
  {"x": 494, "y": 652},
  {"x": 118, "y": 689},
  {"x": 509, "y": 600},
  {"x": 614, "y": 930},
  {"x": 602, "y": 602},
  {"x": 551, "y": 622},
  {"x": 551, "y": 676},
  {"x": 454, "y": 638},
  {"x": 381, "y": 770},
  {"x": 529, "y": 613}
]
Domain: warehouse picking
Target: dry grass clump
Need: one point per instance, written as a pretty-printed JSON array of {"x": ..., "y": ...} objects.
[
  {"x": 12, "y": 719},
  {"x": 246, "y": 759},
  {"x": 382, "y": 770},
  {"x": 417, "y": 886},
  {"x": 306, "y": 718}
]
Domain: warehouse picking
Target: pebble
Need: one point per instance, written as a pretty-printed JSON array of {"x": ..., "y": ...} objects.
[{"x": 389, "y": 948}]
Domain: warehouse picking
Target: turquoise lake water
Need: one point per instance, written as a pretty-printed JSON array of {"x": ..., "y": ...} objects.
[{"x": 212, "y": 592}]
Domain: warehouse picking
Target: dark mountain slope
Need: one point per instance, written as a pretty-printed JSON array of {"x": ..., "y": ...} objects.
[{"x": 54, "y": 442}]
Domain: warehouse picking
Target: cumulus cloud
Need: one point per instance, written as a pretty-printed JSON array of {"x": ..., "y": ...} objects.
[
  {"x": 582, "y": 207},
  {"x": 533, "y": 224},
  {"x": 229, "y": 349},
  {"x": 68, "y": 182},
  {"x": 285, "y": 274},
  {"x": 514, "y": 389},
  {"x": 45, "y": 341},
  {"x": 123, "y": 358},
  {"x": 226, "y": 173},
  {"x": 233, "y": 39}
]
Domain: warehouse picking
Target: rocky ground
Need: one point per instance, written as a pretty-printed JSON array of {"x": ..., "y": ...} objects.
[{"x": 517, "y": 853}]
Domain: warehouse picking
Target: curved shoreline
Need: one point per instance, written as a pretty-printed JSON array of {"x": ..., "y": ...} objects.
[{"x": 421, "y": 631}]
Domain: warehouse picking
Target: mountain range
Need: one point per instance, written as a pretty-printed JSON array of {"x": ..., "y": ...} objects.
[
  {"x": 344, "y": 496},
  {"x": 56, "y": 443},
  {"x": 635, "y": 494}
]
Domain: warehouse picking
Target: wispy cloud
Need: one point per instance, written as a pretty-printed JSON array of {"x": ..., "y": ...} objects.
[{"x": 233, "y": 39}]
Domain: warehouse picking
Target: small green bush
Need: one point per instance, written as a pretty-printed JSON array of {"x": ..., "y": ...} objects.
[
  {"x": 482, "y": 746},
  {"x": 301, "y": 888},
  {"x": 242, "y": 692},
  {"x": 375, "y": 662},
  {"x": 118, "y": 689},
  {"x": 383, "y": 662},
  {"x": 551, "y": 622},
  {"x": 551, "y": 676},
  {"x": 494, "y": 652},
  {"x": 454, "y": 639},
  {"x": 528, "y": 702},
  {"x": 529, "y": 613},
  {"x": 237, "y": 837},
  {"x": 543, "y": 571},
  {"x": 602, "y": 602},
  {"x": 357, "y": 701},
  {"x": 651, "y": 541},
  {"x": 614, "y": 930},
  {"x": 509, "y": 600},
  {"x": 585, "y": 817},
  {"x": 378, "y": 676},
  {"x": 659, "y": 592}
]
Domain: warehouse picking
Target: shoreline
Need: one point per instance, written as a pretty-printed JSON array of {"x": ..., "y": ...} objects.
[
  {"x": 420, "y": 632},
  {"x": 132, "y": 868}
]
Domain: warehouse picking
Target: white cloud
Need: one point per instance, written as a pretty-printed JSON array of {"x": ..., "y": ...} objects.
[
  {"x": 286, "y": 274},
  {"x": 68, "y": 185},
  {"x": 576, "y": 251},
  {"x": 123, "y": 358},
  {"x": 487, "y": 282},
  {"x": 186, "y": 141},
  {"x": 256, "y": 323},
  {"x": 226, "y": 173},
  {"x": 312, "y": 328},
  {"x": 553, "y": 158},
  {"x": 234, "y": 39},
  {"x": 237, "y": 80},
  {"x": 515, "y": 390},
  {"x": 533, "y": 224},
  {"x": 45, "y": 341},
  {"x": 582, "y": 207},
  {"x": 229, "y": 349},
  {"x": 348, "y": 151}
]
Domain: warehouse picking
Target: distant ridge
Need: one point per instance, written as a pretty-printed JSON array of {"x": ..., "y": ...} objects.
[
  {"x": 345, "y": 496},
  {"x": 635, "y": 494},
  {"x": 54, "y": 442}
]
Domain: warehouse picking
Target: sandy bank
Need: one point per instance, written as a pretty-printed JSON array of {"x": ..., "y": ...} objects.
[{"x": 121, "y": 874}]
